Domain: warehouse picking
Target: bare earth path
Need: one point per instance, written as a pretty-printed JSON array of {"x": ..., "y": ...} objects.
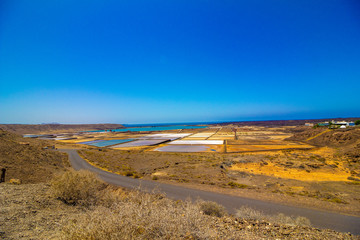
[{"x": 320, "y": 219}]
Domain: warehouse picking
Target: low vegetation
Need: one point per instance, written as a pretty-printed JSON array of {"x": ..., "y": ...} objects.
[
  {"x": 80, "y": 206},
  {"x": 116, "y": 214},
  {"x": 212, "y": 209},
  {"x": 237, "y": 185},
  {"x": 252, "y": 214},
  {"x": 81, "y": 187}
]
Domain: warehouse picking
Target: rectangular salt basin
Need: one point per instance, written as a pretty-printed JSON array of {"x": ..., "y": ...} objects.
[
  {"x": 165, "y": 136},
  {"x": 139, "y": 143},
  {"x": 65, "y": 138},
  {"x": 90, "y": 142},
  {"x": 201, "y": 135},
  {"x": 106, "y": 143},
  {"x": 182, "y": 148},
  {"x": 202, "y": 142}
]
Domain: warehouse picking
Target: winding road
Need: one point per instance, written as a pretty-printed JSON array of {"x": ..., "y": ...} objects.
[{"x": 319, "y": 219}]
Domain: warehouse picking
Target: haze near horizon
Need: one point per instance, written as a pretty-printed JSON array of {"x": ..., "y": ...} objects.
[{"x": 176, "y": 61}]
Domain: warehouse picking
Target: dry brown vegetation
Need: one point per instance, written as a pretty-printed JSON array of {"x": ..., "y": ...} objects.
[
  {"x": 112, "y": 213},
  {"x": 77, "y": 187},
  {"x": 252, "y": 214}
]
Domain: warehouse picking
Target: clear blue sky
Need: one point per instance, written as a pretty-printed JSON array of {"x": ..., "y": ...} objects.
[{"x": 178, "y": 61}]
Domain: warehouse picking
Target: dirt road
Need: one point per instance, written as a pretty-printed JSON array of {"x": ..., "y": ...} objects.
[{"x": 320, "y": 219}]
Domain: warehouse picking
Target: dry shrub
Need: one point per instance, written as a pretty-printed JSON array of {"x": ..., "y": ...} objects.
[
  {"x": 249, "y": 213},
  {"x": 77, "y": 187},
  {"x": 212, "y": 209},
  {"x": 252, "y": 214},
  {"x": 141, "y": 216}
]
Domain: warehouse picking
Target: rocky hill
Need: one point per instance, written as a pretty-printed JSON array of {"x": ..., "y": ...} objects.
[{"x": 324, "y": 137}]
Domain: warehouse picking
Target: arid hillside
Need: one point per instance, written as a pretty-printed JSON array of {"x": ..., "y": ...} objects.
[
  {"x": 55, "y": 128},
  {"x": 277, "y": 123},
  {"x": 323, "y": 136},
  {"x": 346, "y": 141},
  {"x": 27, "y": 160}
]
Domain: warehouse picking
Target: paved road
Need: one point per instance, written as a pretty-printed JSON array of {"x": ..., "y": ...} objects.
[{"x": 320, "y": 219}]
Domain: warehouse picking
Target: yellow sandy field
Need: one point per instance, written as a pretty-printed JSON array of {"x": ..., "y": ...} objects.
[{"x": 291, "y": 173}]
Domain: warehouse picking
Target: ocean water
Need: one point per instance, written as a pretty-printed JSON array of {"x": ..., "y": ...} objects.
[{"x": 162, "y": 128}]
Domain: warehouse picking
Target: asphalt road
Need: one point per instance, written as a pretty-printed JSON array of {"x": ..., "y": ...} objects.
[{"x": 319, "y": 219}]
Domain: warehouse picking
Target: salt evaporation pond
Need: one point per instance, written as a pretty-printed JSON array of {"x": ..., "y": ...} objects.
[
  {"x": 182, "y": 148},
  {"x": 200, "y": 142},
  {"x": 106, "y": 143},
  {"x": 169, "y": 136},
  {"x": 140, "y": 143},
  {"x": 90, "y": 142}
]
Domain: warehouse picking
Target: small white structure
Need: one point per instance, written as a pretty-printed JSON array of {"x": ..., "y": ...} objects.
[{"x": 342, "y": 126}]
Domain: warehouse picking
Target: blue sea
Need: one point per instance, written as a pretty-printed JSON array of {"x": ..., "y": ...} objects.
[{"x": 160, "y": 128}]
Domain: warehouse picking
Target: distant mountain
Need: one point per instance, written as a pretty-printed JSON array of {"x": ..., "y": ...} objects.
[{"x": 54, "y": 128}]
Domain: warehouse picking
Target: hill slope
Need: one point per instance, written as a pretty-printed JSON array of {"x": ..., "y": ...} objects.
[{"x": 25, "y": 159}]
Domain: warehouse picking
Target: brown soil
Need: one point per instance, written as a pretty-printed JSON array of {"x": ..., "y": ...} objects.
[{"x": 27, "y": 160}]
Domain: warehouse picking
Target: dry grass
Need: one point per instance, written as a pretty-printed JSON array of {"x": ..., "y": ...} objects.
[
  {"x": 212, "y": 209},
  {"x": 114, "y": 214},
  {"x": 117, "y": 214},
  {"x": 252, "y": 214},
  {"x": 141, "y": 216},
  {"x": 82, "y": 187}
]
